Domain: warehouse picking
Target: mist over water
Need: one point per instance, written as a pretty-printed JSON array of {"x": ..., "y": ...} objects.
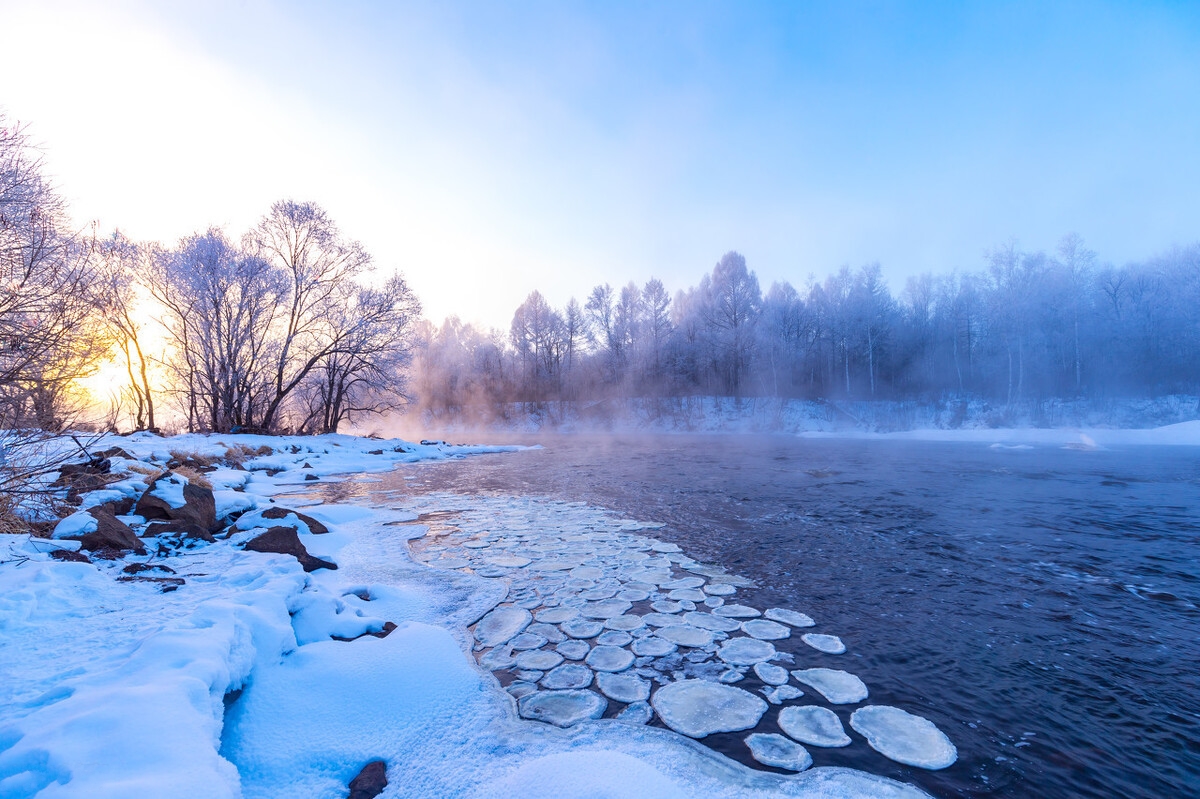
[{"x": 1041, "y": 606}]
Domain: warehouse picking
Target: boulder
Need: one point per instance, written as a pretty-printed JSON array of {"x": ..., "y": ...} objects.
[
  {"x": 110, "y": 533},
  {"x": 182, "y": 529},
  {"x": 370, "y": 782},
  {"x": 118, "y": 507},
  {"x": 314, "y": 526},
  {"x": 199, "y": 507},
  {"x": 285, "y": 541},
  {"x": 70, "y": 556}
]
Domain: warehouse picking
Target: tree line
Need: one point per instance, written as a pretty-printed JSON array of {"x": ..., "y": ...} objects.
[
  {"x": 1027, "y": 325},
  {"x": 283, "y": 329}
]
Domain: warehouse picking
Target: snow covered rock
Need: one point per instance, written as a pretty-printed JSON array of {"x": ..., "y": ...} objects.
[
  {"x": 839, "y": 687},
  {"x": 173, "y": 497},
  {"x": 698, "y": 708},
  {"x": 500, "y": 625},
  {"x": 562, "y": 708},
  {"x": 285, "y": 541},
  {"x": 104, "y": 532},
  {"x": 777, "y": 751},
  {"x": 829, "y": 644},
  {"x": 899, "y": 735},
  {"x": 812, "y": 724}
]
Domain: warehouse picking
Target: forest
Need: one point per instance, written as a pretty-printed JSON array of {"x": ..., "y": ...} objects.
[{"x": 291, "y": 328}]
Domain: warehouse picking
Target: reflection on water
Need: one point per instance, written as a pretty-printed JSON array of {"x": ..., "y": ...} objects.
[{"x": 1040, "y": 606}]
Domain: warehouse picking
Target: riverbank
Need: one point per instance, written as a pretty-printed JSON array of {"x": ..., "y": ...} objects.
[{"x": 274, "y": 636}]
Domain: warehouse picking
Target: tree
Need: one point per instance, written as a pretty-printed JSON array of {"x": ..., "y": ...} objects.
[
  {"x": 220, "y": 305},
  {"x": 304, "y": 244},
  {"x": 731, "y": 308},
  {"x": 122, "y": 261}
]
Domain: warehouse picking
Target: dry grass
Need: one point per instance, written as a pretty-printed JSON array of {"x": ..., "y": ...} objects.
[
  {"x": 195, "y": 460},
  {"x": 194, "y": 477},
  {"x": 237, "y": 455}
]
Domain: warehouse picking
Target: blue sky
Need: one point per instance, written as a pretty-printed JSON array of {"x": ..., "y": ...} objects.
[{"x": 488, "y": 149}]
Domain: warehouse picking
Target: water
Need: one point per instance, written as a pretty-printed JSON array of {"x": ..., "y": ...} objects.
[{"x": 1040, "y": 606}]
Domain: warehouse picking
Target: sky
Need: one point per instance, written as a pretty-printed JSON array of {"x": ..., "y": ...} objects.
[{"x": 489, "y": 149}]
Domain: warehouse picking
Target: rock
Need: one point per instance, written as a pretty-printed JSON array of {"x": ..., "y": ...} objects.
[
  {"x": 311, "y": 477},
  {"x": 183, "y": 529},
  {"x": 370, "y": 782},
  {"x": 777, "y": 751},
  {"x": 698, "y": 708},
  {"x": 315, "y": 527},
  {"x": 285, "y": 541},
  {"x": 69, "y": 556},
  {"x": 117, "y": 507},
  {"x": 173, "y": 498},
  {"x": 110, "y": 533},
  {"x": 839, "y": 687},
  {"x": 899, "y": 735},
  {"x": 812, "y": 724},
  {"x": 141, "y": 568},
  {"x": 562, "y": 708}
]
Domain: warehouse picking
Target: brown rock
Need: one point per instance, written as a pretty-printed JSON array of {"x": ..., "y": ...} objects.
[
  {"x": 184, "y": 529},
  {"x": 69, "y": 556},
  {"x": 370, "y": 782},
  {"x": 314, "y": 526},
  {"x": 198, "y": 508},
  {"x": 285, "y": 541},
  {"x": 110, "y": 533},
  {"x": 118, "y": 507}
]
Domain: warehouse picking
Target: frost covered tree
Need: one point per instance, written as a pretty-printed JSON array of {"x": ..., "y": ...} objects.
[{"x": 315, "y": 262}]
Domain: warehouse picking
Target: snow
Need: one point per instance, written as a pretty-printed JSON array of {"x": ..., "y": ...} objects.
[
  {"x": 234, "y": 685},
  {"x": 839, "y": 687},
  {"x": 169, "y": 488},
  {"x": 812, "y": 724},
  {"x": 903, "y": 737},
  {"x": 77, "y": 524},
  {"x": 775, "y": 750}
]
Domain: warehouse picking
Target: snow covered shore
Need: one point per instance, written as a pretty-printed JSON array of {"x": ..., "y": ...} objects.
[{"x": 204, "y": 669}]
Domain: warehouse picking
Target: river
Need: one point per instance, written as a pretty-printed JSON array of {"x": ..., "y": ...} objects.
[{"x": 1039, "y": 605}]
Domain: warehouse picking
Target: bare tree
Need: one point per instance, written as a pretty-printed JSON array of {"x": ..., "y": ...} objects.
[{"x": 304, "y": 244}]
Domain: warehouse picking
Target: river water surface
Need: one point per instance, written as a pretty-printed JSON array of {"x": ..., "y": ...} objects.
[{"x": 1039, "y": 605}]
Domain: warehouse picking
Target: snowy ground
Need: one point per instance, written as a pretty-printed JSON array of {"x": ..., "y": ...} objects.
[{"x": 238, "y": 683}]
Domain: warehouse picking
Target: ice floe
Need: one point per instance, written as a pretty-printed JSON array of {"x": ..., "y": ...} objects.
[
  {"x": 829, "y": 644},
  {"x": 698, "y": 708},
  {"x": 901, "y": 736},
  {"x": 765, "y": 630},
  {"x": 770, "y": 673},
  {"x": 500, "y": 625},
  {"x": 839, "y": 687},
  {"x": 626, "y": 688},
  {"x": 562, "y": 708},
  {"x": 745, "y": 651},
  {"x": 686, "y": 635},
  {"x": 568, "y": 675},
  {"x": 609, "y": 658},
  {"x": 812, "y": 724},
  {"x": 792, "y": 617},
  {"x": 777, "y": 751}
]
